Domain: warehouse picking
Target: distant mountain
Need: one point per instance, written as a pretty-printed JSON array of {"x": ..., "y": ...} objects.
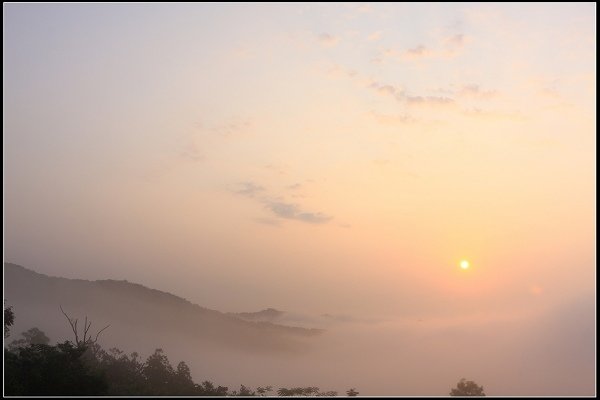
[
  {"x": 267, "y": 315},
  {"x": 140, "y": 315},
  {"x": 303, "y": 319}
]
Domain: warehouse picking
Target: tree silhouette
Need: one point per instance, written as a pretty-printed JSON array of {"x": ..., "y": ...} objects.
[
  {"x": 307, "y": 391},
  {"x": 467, "y": 388},
  {"x": 9, "y": 319},
  {"x": 262, "y": 391},
  {"x": 207, "y": 388},
  {"x": 123, "y": 372},
  {"x": 82, "y": 368},
  {"x": 42, "y": 370},
  {"x": 31, "y": 336},
  {"x": 244, "y": 391},
  {"x": 158, "y": 373},
  {"x": 182, "y": 382}
]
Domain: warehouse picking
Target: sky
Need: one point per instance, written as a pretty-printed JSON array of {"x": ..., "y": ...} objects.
[{"x": 315, "y": 158}]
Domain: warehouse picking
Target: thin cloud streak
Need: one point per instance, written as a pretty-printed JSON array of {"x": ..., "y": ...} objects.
[
  {"x": 280, "y": 208},
  {"x": 292, "y": 211},
  {"x": 250, "y": 189}
]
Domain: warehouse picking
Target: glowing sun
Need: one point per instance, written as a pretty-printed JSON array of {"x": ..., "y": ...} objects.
[{"x": 464, "y": 264}]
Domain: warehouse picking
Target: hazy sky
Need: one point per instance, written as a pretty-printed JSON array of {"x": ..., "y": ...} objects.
[{"x": 322, "y": 158}]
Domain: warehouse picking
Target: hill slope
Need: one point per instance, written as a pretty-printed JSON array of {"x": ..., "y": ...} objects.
[{"x": 137, "y": 314}]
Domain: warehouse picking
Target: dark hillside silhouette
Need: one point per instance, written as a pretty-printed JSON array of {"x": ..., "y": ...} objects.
[{"x": 125, "y": 306}]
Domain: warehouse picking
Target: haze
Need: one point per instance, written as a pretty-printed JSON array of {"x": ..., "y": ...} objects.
[{"x": 333, "y": 159}]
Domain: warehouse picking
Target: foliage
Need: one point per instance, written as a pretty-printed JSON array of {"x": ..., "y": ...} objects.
[
  {"x": 82, "y": 368},
  {"x": 244, "y": 391},
  {"x": 208, "y": 389},
  {"x": 262, "y": 391},
  {"x": 123, "y": 372},
  {"x": 69, "y": 369},
  {"x": 9, "y": 319},
  {"x": 307, "y": 391},
  {"x": 352, "y": 393},
  {"x": 331, "y": 393},
  {"x": 31, "y": 336},
  {"x": 467, "y": 388},
  {"x": 43, "y": 370},
  {"x": 158, "y": 373}
]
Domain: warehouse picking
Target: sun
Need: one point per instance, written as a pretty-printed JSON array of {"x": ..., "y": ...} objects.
[{"x": 464, "y": 264}]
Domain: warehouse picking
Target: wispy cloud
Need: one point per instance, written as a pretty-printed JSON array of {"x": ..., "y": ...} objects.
[
  {"x": 467, "y": 92},
  {"x": 328, "y": 40},
  {"x": 279, "y": 207},
  {"x": 197, "y": 143},
  {"x": 428, "y": 100},
  {"x": 474, "y": 90},
  {"x": 455, "y": 41},
  {"x": 401, "y": 95},
  {"x": 446, "y": 48},
  {"x": 191, "y": 152},
  {"x": 385, "y": 89},
  {"x": 249, "y": 189},
  {"x": 417, "y": 52},
  {"x": 293, "y": 211},
  {"x": 453, "y": 45}
]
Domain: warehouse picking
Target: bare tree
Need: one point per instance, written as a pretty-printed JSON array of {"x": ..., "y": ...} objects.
[{"x": 87, "y": 337}]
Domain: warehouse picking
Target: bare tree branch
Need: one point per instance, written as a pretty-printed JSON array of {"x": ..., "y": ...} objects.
[
  {"x": 73, "y": 324},
  {"x": 86, "y": 329},
  {"x": 99, "y": 332}
]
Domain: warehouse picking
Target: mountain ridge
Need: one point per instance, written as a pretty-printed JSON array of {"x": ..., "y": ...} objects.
[{"x": 123, "y": 303}]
